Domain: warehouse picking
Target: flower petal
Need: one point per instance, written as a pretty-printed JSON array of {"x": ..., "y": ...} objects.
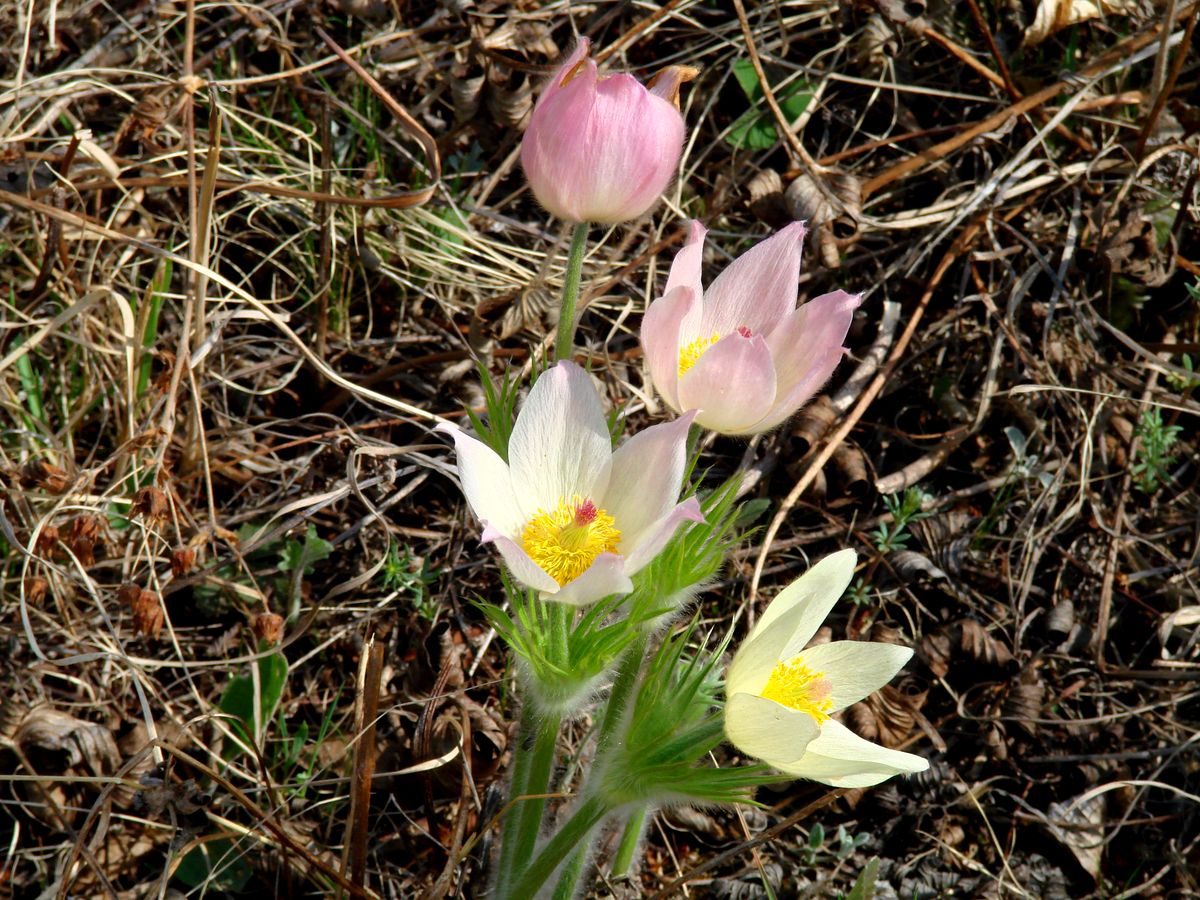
[
  {"x": 686, "y": 267},
  {"x": 732, "y": 384},
  {"x": 763, "y": 649},
  {"x": 523, "y": 568},
  {"x": 661, "y": 341},
  {"x": 560, "y": 444},
  {"x": 758, "y": 288},
  {"x": 486, "y": 482},
  {"x": 814, "y": 593},
  {"x": 806, "y": 347},
  {"x": 767, "y": 730},
  {"x": 856, "y": 668},
  {"x": 604, "y": 577},
  {"x": 647, "y": 473},
  {"x": 649, "y": 543},
  {"x": 840, "y": 758}
]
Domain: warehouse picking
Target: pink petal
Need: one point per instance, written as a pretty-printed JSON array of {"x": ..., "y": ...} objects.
[
  {"x": 486, "y": 482},
  {"x": 601, "y": 150},
  {"x": 647, "y": 473},
  {"x": 605, "y": 577},
  {"x": 732, "y": 384},
  {"x": 686, "y": 267},
  {"x": 661, "y": 340},
  {"x": 523, "y": 568},
  {"x": 758, "y": 288},
  {"x": 651, "y": 540},
  {"x": 560, "y": 445},
  {"x": 806, "y": 349}
]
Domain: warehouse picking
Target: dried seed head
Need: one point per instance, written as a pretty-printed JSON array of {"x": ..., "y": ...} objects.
[
  {"x": 182, "y": 561},
  {"x": 151, "y": 503},
  {"x": 84, "y": 534},
  {"x": 127, "y": 594},
  {"x": 268, "y": 627},
  {"x": 148, "y": 614},
  {"x": 46, "y": 542},
  {"x": 35, "y": 590}
]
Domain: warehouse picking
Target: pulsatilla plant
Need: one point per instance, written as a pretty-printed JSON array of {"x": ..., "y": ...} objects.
[{"x": 605, "y": 549}]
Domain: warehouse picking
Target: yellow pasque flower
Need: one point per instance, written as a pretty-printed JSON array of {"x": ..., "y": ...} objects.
[
  {"x": 781, "y": 697},
  {"x": 571, "y": 517}
]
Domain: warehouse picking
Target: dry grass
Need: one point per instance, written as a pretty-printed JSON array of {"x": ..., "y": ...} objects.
[{"x": 239, "y": 295}]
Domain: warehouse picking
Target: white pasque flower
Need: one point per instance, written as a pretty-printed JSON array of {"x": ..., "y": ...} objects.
[
  {"x": 571, "y": 517},
  {"x": 780, "y": 696}
]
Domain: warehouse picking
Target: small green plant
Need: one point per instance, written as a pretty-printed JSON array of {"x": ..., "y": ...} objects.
[
  {"x": 904, "y": 509},
  {"x": 860, "y": 592},
  {"x": 406, "y": 573},
  {"x": 1154, "y": 457}
]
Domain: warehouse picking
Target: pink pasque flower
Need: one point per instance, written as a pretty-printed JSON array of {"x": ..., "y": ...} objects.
[
  {"x": 603, "y": 149},
  {"x": 741, "y": 353},
  {"x": 572, "y": 518}
]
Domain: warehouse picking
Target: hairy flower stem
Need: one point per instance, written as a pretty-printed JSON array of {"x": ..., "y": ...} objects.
[
  {"x": 565, "y": 339},
  {"x": 533, "y": 764},
  {"x": 632, "y": 834},
  {"x": 611, "y": 732},
  {"x": 572, "y": 834}
]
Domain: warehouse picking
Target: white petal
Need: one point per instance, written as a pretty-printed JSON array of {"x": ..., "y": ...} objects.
[
  {"x": 647, "y": 473},
  {"x": 661, "y": 328},
  {"x": 560, "y": 445},
  {"x": 856, "y": 668},
  {"x": 486, "y": 483},
  {"x": 758, "y": 655},
  {"x": 767, "y": 730},
  {"x": 840, "y": 758},
  {"x": 523, "y": 568},
  {"x": 815, "y": 592},
  {"x": 654, "y": 537},
  {"x": 604, "y": 577}
]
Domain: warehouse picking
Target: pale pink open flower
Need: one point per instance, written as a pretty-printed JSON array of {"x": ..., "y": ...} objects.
[
  {"x": 572, "y": 518},
  {"x": 603, "y": 149},
  {"x": 740, "y": 352},
  {"x": 781, "y": 697}
]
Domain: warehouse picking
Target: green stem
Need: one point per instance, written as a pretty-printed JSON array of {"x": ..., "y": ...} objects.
[
  {"x": 572, "y": 834},
  {"x": 610, "y": 732},
  {"x": 623, "y": 858},
  {"x": 565, "y": 338},
  {"x": 533, "y": 763}
]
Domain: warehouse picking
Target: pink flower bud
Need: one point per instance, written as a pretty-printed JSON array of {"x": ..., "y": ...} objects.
[
  {"x": 603, "y": 149},
  {"x": 740, "y": 352}
]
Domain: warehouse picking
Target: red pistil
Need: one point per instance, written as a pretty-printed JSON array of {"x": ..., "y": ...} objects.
[
  {"x": 585, "y": 513},
  {"x": 744, "y": 331}
]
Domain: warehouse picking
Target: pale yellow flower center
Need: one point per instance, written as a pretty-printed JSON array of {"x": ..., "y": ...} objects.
[
  {"x": 566, "y": 540},
  {"x": 795, "y": 685},
  {"x": 690, "y": 354}
]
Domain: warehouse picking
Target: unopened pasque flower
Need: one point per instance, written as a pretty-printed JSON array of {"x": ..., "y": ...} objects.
[
  {"x": 603, "y": 149},
  {"x": 572, "y": 518},
  {"x": 781, "y": 697},
  {"x": 740, "y": 352}
]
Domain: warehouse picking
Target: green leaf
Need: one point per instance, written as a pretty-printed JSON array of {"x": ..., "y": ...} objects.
[
  {"x": 239, "y": 701},
  {"x": 755, "y": 128},
  {"x": 864, "y": 887},
  {"x": 218, "y": 865},
  {"x": 295, "y": 555}
]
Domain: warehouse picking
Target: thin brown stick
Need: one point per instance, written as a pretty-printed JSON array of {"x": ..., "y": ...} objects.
[{"x": 358, "y": 838}]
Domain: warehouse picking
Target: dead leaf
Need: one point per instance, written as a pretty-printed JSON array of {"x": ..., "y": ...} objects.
[
  {"x": 1055, "y": 15},
  {"x": 1078, "y": 826}
]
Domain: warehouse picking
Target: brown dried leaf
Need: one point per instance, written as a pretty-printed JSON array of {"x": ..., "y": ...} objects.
[
  {"x": 47, "y": 541},
  {"x": 182, "y": 560},
  {"x": 54, "y": 741},
  {"x": 886, "y": 717},
  {"x": 1055, "y": 15},
  {"x": 83, "y": 536},
  {"x": 831, "y": 209},
  {"x": 977, "y": 644},
  {"x": 35, "y": 589},
  {"x": 1024, "y": 700},
  {"x": 37, "y": 474}
]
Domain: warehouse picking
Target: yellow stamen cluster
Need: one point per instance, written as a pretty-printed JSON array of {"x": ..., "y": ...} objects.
[
  {"x": 566, "y": 540},
  {"x": 795, "y": 685},
  {"x": 691, "y": 353}
]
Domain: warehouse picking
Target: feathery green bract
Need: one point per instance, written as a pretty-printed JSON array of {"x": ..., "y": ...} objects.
[
  {"x": 693, "y": 556},
  {"x": 501, "y": 404},
  {"x": 674, "y": 723},
  {"x": 564, "y": 651}
]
